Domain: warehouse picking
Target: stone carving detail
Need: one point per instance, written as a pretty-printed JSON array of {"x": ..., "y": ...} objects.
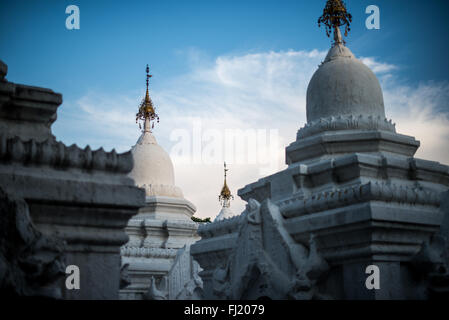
[
  {"x": 125, "y": 279},
  {"x": 146, "y": 252},
  {"x": 268, "y": 262},
  {"x": 155, "y": 293},
  {"x": 52, "y": 153},
  {"x": 388, "y": 192},
  {"x": 184, "y": 281},
  {"x": 345, "y": 122},
  {"x": 431, "y": 263},
  {"x": 31, "y": 263}
]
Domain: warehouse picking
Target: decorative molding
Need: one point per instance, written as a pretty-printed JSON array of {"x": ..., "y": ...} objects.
[
  {"x": 56, "y": 154},
  {"x": 142, "y": 252},
  {"x": 371, "y": 191},
  {"x": 345, "y": 122}
]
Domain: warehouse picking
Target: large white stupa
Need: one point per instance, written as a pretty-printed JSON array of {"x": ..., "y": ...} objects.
[
  {"x": 353, "y": 197},
  {"x": 164, "y": 225}
]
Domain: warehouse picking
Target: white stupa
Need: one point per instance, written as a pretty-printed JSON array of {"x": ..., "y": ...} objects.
[
  {"x": 353, "y": 195},
  {"x": 164, "y": 225}
]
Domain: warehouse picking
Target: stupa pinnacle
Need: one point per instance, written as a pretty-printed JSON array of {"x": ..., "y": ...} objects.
[
  {"x": 147, "y": 112},
  {"x": 153, "y": 168},
  {"x": 225, "y": 198},
  {"x": 334, "y": 16},
  {"x": 225, "y": 194},
  {"x": 163, "y": 226}
]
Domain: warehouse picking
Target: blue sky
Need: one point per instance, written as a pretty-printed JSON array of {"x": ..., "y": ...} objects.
[
  {"x": 117, "y": 38},
  {"x": 223, "y": 62}
]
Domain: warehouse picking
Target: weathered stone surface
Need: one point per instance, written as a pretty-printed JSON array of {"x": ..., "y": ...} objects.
[
  {"x": 26, "y": 112},
  {"x": 31, "y": 264},
  {"x": 161, "y": 228},
  {"x": 431, "y": 264},
  {"x": 267, "y": 262},
  {"x": 183, "y": 278},
  {"x": 81, "y": 196}
]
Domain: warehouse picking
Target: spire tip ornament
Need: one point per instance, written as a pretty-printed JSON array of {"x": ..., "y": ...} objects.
[
  {"x": 225, "y": 196},
  {"x": 147, "y": 112},
  {"x": 335, "y": 15}
]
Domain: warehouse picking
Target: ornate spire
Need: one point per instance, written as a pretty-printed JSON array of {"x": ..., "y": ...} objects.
[
  {"x": 147, "y": 111},
  {"x": 225, "y": 196},
  {"x": 334, "y": 16}
]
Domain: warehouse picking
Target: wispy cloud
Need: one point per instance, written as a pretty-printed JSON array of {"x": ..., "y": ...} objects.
[
  {"x": 421, "y": 111},
  {"x": 378, "y": 67},
  {"x": 264, "y": 90}
]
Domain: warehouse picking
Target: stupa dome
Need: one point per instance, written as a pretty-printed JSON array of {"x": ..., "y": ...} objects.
[
  {"x": 153, "y": 168},
  {"x": 343, "y": 85}
]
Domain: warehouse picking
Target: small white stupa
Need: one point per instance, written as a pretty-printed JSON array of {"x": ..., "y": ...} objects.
[
  {"x": 225, "y": 199},
  {"x": 164, "y": 225}
]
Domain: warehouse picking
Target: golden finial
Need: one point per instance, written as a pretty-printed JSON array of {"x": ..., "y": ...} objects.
[
  {"x": 334, "y": 16},
  {"x": 225, "y": 194},
  {"x": 147, "y": 112}
]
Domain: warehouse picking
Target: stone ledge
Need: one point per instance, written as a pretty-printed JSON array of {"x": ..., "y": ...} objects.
[
  {"x": 371, "y": 191},
  {"x": 361, "y": 141},
  {"x": 260, "y": 189},
  {"x": 218, "y": 243},
  {"x": 27, "y": 111},
  {"x": 221, "y": 227},
  {"x": 171, "y": 205},
  {"x": 328, "y": 175},
  {"x": 75, "y": 192},
  {"x": 363, "y": 231}
]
